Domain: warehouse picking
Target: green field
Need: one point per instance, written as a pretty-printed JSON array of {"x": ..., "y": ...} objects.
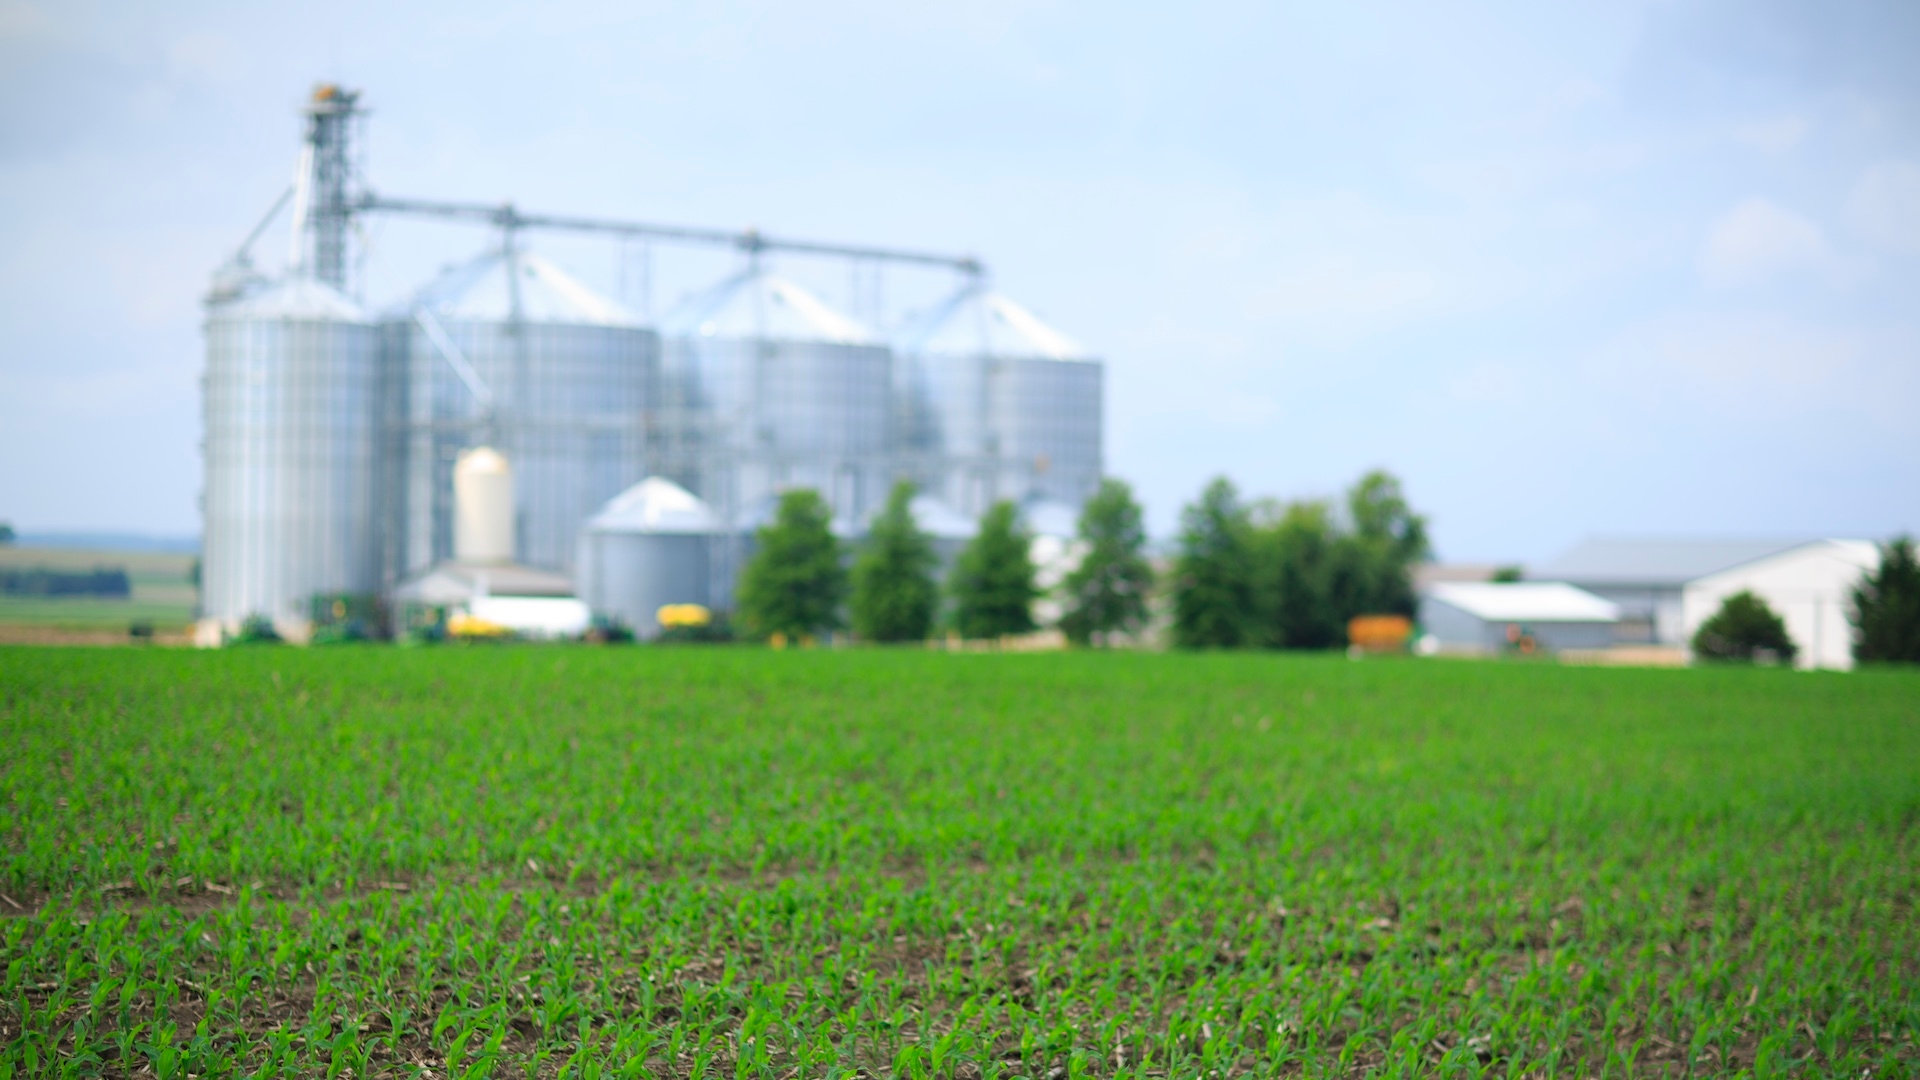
[
  {"x": 736, "y": 862},
  {"x": 163, "y": 594}
]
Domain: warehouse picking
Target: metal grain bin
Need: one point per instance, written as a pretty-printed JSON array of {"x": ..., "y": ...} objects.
[
  {"x": 996, "y": 404},
  {"x": 510, "y": 351},
  {"x": 648, "y": 547},
  {"x": 290, "y": 420},
  {"x": 775, "y": 390}
]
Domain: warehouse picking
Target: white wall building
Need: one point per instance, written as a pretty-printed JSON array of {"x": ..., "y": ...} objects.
[
  {"x": 1485, "y": 617},
  {"x": 1646, "y": 576},
  {"x": 1810, "y": 587}
]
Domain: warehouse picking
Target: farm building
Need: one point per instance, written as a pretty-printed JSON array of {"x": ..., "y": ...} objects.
[
  {"x": 647, "y": 548},
  {"x": 1810, "y": 586},
  {"x": 1491, "y": 617},
  {"x": 333, "y": 434},
  {"x": 1645, "y": 577}
]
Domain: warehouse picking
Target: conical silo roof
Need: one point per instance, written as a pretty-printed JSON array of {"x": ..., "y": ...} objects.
[
  {"x": 482, "y": 290},
  {"x": 293, "y": 298},
  {"x": 655, "y": 505},
  {"x": 978, "y": 322},
  {"x": 758, "y": 304},
  {"x": 934, "y": 518}
]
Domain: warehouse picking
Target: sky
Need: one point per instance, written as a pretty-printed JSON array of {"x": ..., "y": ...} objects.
[{"x": 1626, "y": 268}]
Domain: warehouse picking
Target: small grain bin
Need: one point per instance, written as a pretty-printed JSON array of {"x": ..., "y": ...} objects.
[{"x": 650, "y": 546}]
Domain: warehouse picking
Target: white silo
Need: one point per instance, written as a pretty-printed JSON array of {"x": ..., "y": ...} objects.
[
  {"x": 774, "y": 390},
  {"x": 648, "y": 547},
  {"x": 482, "y": 507},
  {"x": 777, "y": 390},
  {"x": 290, "y": 415},
  {"x": 510, "y": 351},
  {"x": 998, "y": 404}
]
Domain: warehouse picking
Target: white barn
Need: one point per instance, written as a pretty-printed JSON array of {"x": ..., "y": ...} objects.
[
  {"x": 1809, "y": 586},
  {"x": 1646, "y": 576}
]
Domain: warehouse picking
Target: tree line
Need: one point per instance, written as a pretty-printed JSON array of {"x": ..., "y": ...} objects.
[
  {"x": 107, "y": 581},
  {"x": 1246, "y": 575}
]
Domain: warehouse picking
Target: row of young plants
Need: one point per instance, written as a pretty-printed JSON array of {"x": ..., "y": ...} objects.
[{"x": 545, "y": 863}]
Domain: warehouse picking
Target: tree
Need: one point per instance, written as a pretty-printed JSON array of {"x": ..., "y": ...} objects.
[
  {"x": 1107, "y": 592},
  {"x": 1388, "y": 538},
  {"x": 894, "y": 594},
  {"x": 1214, "y": 576},
  {"x": 794, "y": 584},
  {"x": 1744, "y": 628},
  {"x": 1318, "y": 565},
  {"x": 1886, "y": 607},
  {"x": 1296, "y": 554},
  {"x": 992, "y": 582},
  {"x": 6, "y": 533}
]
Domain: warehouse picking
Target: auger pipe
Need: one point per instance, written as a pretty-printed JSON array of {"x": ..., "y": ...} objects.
[{"x": 507, "y": 216}]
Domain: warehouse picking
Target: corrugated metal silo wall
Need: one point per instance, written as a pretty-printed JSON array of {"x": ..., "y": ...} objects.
[
  {"x": 570, "y": 410},
  {"x": 291, "y": 438},
  {"x": 766, "y": 416},
  {"x": 1008, "y": 428},
  {"x": 1046, "y": 415},
  {"x": 952, "y": 465},
  {"x": 630, "y": 576}
]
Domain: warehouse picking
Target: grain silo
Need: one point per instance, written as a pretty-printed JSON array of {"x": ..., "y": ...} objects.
[
  {"x": 996, "y": 404},
  {"x": 648, "y": 547},
  {"x": 508, "y": 350},
  {"x": 290, "y": 413},
  {"x": 775, "y": 390}
]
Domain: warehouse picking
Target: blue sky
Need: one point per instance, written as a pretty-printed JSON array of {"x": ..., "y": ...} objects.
[{"x": 1566, "y": 269}]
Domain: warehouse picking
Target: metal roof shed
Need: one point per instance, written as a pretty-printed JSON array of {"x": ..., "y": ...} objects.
[{"x": 1486, "y": 617}]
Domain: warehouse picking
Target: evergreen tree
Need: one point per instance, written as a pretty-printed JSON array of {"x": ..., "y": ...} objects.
[
  {"x": 1214, "y": 588},
  {"x": 1297, "y": 554},
  {"x": 794, "y": 584},
  {"x": 894, "y": 594},
  {"x": 1107, "y": 592},
  {"x": 1743, "y": 629},
  {"x": 992, "y": 581},
  {"x": 1886, "y": 608}
]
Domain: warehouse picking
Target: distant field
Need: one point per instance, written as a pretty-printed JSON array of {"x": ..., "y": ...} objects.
[
  {"x": 735, "y": 862},
  {"x": 162, "y": 593}
]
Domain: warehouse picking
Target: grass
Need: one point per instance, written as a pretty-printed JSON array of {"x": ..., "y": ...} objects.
[
  {"x": 163, "y": 595},
  {"x": 733, "y": 862}
]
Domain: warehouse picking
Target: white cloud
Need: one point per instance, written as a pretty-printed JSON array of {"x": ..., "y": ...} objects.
[
  {"x": 1885, "y": 206},
  {"x": 1775, "y": 136},
  {"x": 1758, "y": 239}
]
